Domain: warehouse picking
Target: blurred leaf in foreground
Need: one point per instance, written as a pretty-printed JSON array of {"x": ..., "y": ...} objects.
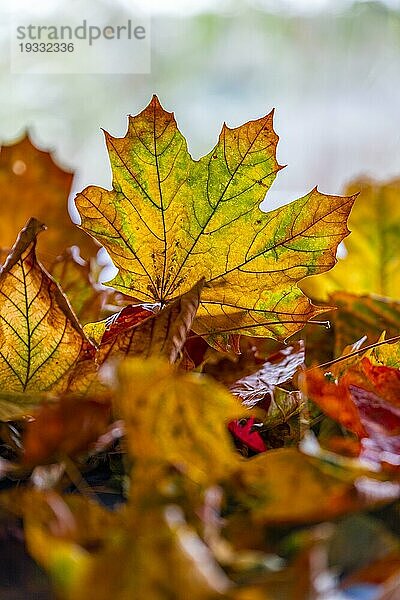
[{"x": 178, "y": 419}]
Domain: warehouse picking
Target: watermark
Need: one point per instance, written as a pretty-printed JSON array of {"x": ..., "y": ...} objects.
[{"x": 61, "y": 42}]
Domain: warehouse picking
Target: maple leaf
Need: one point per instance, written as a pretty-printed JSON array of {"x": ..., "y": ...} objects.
[
  {"x": 40, "y": 337},
  {"x": 170, "y": 220},
  {"x": 30, "y": 179},
  {"x": 374, "y": 241}
]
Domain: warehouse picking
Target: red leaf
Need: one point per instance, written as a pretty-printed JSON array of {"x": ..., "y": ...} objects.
[
  {"x": 244, "y": 435},
  {"x": 128, "y": 317}
]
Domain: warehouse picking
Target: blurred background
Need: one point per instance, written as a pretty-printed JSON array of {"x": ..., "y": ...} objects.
[{"x": 330, "y": 68}]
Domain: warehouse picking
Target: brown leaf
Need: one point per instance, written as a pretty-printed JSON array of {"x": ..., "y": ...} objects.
[
  {"x": 287, "y": 487},
  {"x": 257, "y": 389},
  {"x": 66, "y": 428},
  {"x": 162, "y": 334}
]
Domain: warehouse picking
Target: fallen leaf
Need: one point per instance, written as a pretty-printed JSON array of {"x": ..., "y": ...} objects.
[
  {"x": 179, "y": 419},
  {"x": 285, "y": 486},
  {"x": 31, "y": 181},
  {"x": 246, "y": 436},
  {"x": 170, "y": 220},
  {"x": 257, "y": 389},
  {"x": 381, "y": 421},
  {"x": 366, "y": 401},
  {"x": 40, "y": 337},
  {"x": 154, "y": 555},
  {"x": 333, "y": 397},
  {"x": 107, "y": 329},
  {"x": 138, "y": 332},
  {"x": 88, "y": 550},
  {"x": 385, "y": 380}
]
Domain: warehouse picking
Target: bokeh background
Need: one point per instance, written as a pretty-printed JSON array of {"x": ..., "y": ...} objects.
[{"x": 330, "y": 68}]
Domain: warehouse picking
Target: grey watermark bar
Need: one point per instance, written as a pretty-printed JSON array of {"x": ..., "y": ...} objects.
[{"x": 65, "y": 43}]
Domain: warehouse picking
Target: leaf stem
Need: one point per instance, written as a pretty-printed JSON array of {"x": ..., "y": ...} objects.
[{"x": 356, "y": 352}]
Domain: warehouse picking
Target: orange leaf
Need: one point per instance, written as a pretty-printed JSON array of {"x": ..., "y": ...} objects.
[{"x": 31, "y": 182}]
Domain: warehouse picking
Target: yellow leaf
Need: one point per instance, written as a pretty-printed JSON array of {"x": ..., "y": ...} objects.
[
  {"x": 90, "y": 552},
  {"x": 170, "y": 220},
  {"x": 177, "y": 418},
  {"x": 287, "y": 487},
  {"x": 40, "y": 337},
  {"x": 372, "y": 263}
]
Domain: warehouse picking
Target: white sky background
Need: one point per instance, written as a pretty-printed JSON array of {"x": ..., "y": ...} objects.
[{"x": 334, "y": 81}]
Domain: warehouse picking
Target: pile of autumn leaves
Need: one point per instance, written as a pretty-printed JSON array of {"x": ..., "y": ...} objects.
[{"x": 180, "y": 367}]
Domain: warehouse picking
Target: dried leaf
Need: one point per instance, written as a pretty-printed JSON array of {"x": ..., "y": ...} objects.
[
  {"x": 257, "y": 389},
  {"x": 170, "y": 220},
  {"x": 160, "y": 334}
]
